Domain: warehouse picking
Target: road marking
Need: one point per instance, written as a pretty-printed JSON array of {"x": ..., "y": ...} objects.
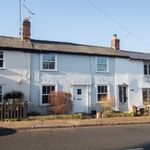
[{"x": 136, "y": 149}]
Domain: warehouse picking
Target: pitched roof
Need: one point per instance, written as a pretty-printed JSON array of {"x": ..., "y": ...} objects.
[
  {"x": 13, "y": 43},
  {"x": 138, "y": 55}
]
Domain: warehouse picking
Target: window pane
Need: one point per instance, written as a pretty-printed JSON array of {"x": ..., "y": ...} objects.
[
  {"x": 105, "y": 89},
  {"x": 120, "y": 94},
  {"x": 52, "y": 88},
  {"x": 1, "y": 63},
  {"x": 146, "y": 94},
  {"x": 148, "y": 69},
  {"x": 101, "y": 67},
  {"x": 102, "y": 89},
  {"x": 44, "y": 90},
  {"x": 101, "y": 63},
  {"x": 1, "y": 55},
  {"x": 79, "y": 91},
  {"x": 44, "y": 99},
  {"x": 124, "y": 94},
  {"x": 0, "y": 90},
  {"x": 145, "y": 69},
  {"x": 98, "y": 89},
  {"x": 102, "y": 92},
  {"x": 0, "y": 98},
  {"x": 99, "y": 97},
  {"x": 48, "y": 57},
  {"x": 101, "y": 60},
  {"x": 51, "y": 65},
  {"x": 45, "y": 65}
]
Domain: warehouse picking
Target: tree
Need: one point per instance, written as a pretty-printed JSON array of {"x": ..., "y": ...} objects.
[{"x": 60, "y": 102}]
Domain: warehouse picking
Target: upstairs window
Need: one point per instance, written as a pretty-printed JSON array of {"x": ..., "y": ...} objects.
[
  {"x": 46, "y": 90},
  {"x": 102, "y": 92},
  {"x": 147, "y": 68},
  {"x": 49, "y": 61},
  {"x": 1, "y": 60},
  {"x": 102, "y": 64}
]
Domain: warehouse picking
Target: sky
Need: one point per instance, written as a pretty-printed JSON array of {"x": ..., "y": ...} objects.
[{"x": 90, "y": 22}]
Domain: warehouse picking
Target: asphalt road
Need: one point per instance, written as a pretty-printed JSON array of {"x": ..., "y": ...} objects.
[{"x": 88, "y": 138}]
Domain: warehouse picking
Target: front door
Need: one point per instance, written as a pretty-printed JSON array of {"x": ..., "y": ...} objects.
[
  {"x": 80, "y": 100},
  {"x": 123, "y": 98}
]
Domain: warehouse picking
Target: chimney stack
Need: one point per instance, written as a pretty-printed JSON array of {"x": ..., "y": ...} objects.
[
  {"x": 115, "y": 42},
  {"x": 26, "y": 30}
]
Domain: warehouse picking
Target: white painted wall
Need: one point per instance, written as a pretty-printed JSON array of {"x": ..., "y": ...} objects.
[
  {"x": 131, "y": 73},
  {"x": 17, "y": 68},
  {"x": 71, "y": 70}
]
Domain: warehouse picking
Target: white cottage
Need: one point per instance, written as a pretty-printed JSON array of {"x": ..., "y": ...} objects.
[{"x": 89, "y": 73}]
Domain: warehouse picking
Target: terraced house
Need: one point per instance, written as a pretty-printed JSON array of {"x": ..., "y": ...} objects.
[{"x": 89, "y": 73}]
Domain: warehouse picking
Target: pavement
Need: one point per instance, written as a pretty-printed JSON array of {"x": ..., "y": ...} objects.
[{"x": 65, "y": 123}]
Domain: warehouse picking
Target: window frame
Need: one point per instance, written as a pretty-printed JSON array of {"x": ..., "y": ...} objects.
[
  {"x": 148, "y": 68},
  {"x": 148, "y": 94},
  {"x": 41, "y": 97},
  {"x": 107, "y": 64},
  {"x": 1, "y": 68},
  {"x": 98, "y": 101},
  {"x": 41, "y": 62},
  {"x": 2, "y": 93}
]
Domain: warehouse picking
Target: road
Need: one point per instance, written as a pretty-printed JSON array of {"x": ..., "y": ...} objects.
[{"x": 85, "y": 138}]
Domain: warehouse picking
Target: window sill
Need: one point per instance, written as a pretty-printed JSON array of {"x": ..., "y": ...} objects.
[
  {"x": 48, "y": 70},
  {"x": 102, "y": 71},
  {"x": 146, "y": 75},
  {"x": 2, "y": 68},
  {"x": 44, "y": 105}
]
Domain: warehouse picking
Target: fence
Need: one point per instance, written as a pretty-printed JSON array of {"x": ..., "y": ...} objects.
[{"x": 13, "y": 111}]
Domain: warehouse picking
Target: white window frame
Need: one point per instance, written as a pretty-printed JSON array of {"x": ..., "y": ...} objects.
[
  {"x": 148, "y": 69},
  {"x": 41, "y": 62},
  {"x": 108, "y": 93},
  {"x": 107, "y": 65},
  {"x": 41, "y": 93},
  {"x": 1, "y": 68},
  {"x": 148, "y": 95}
]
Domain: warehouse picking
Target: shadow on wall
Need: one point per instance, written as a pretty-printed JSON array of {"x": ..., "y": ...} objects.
[
  {"x": 6, "y": 131},
  {"x": 10, "y": 85}
]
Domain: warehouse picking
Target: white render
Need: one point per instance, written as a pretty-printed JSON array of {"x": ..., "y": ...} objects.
[
  {"x": 23, "y": 72},
  {"x": 72, "y": 70},
  {"x": 15, "y": 75}
]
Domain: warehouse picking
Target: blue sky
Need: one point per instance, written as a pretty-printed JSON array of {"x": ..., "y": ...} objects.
[{"x": 79, "y": 21}]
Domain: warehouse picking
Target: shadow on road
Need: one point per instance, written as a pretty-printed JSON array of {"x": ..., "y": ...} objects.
[{"x": 6, "y": 131}]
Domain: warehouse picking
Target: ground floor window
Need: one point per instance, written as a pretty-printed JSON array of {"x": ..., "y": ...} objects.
[
  {"x": 1, "y": 94},
  {"x": 46, "y": 90},
  {"x": 102, "y": 92},
  {"x": 146, "y": 94}
]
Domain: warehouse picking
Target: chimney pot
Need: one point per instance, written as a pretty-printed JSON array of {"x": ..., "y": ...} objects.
[
  {"x": 115, "y": 42},
  {"x": 26, "y": 29}
]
